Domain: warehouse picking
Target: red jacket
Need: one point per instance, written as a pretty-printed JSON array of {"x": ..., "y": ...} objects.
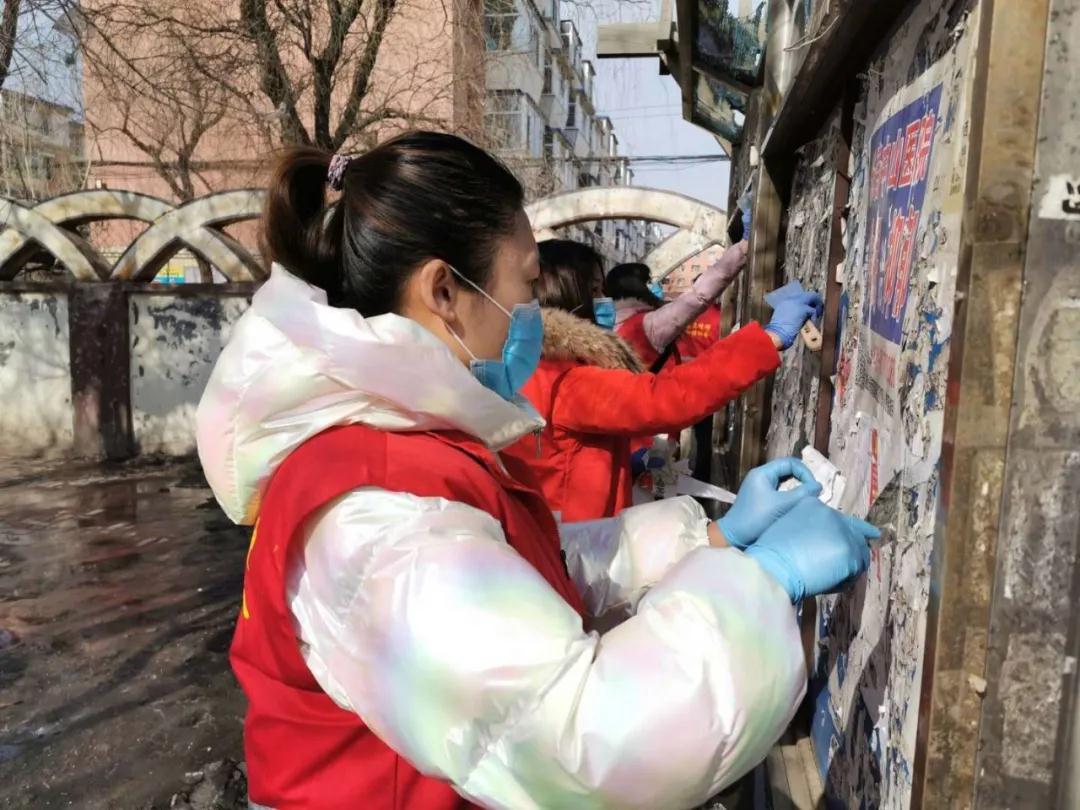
[
  {"x": 303, "y": 751},
  {"x": 632, "y": 330},
  {"x": 595, "y": 398},
  {"x": 701, "y": 334}
]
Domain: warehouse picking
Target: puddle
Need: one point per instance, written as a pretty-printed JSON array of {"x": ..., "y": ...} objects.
[{"x": 118, "y": 592}]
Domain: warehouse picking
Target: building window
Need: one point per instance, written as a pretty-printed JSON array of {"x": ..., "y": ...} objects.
[
  {"x": 510, "y": 27},
  {"x": 500, "y": 19},
  {"x": 532, "y": 131},
  {"x": 571, "y": 111},
  {"x": 514, "y": 123},
  {"x": 547, "y": 72},
  {"x": 502, "y": 119}
]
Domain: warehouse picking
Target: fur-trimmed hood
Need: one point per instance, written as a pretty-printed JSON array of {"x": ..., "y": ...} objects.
[{"x": 568, "y": 337}]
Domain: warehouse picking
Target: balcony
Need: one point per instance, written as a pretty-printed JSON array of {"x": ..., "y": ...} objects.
[{"x": 513, "y": 124}]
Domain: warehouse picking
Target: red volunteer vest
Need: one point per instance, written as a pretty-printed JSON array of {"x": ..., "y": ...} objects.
[
  {"x": 303, "y": 751},
  {"x": 700, "y": 335},
  {"x": 632, "y": 330}
]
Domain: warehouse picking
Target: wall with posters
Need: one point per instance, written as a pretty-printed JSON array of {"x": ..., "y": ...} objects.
[
  {"x": 806, "y": 256},
  {"x": 898, "y": 280}
]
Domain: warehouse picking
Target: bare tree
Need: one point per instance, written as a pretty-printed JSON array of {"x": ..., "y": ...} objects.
[
  {"x": 9, "y": 27},
  {"x": 36, "y": 48},
  {"x": 271, "y": 71},
  {"x": 192, "y": 95},
  {"x": 40, "y": 131},
  {"x": 152, "y": 99}
]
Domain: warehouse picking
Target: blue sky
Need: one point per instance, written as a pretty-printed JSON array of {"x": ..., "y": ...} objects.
[
  {"x": 645, "y": 107},
  {"x": 45, "y": 64}
]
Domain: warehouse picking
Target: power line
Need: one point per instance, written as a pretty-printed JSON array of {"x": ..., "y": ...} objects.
[
  {"x": 203, "y": 165},
  {"x": 635, "y": 159}
]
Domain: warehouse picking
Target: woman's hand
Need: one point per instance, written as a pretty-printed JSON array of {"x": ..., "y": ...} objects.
[
  {"x": 814, "y": 549},
  {"x": 760, "y": 502},
  {"x": 790, "y": 314},
  {"x": 716, "y": 537}
]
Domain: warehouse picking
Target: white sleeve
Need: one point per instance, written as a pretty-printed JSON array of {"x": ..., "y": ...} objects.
[
  {"x": 614, "y": 561},
  {"x": 417, "y": 615}
]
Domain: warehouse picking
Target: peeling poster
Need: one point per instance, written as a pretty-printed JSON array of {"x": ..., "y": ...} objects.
[
  {"x": 901, "y": 151},
  {"x": 907, "y": 166}
]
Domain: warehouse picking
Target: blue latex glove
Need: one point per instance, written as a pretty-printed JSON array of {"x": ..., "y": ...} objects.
[
  {"x": 790, "y": 313},
  {"x": 760, "y": 502},
  {"x": 642, "y": 461},
  {"x": 814, "y": 549}
]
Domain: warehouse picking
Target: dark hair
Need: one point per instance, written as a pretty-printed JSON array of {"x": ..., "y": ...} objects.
[
  {"x": 567, "y": 272},
  {"x": 631, "y": 280},
  {"x": 418, "y": 196}
]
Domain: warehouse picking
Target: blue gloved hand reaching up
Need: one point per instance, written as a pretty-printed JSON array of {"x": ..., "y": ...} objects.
[
  {"x": 790, "y": 313},
  {"x": 814, "y": 549},
  {"x": 760, "y": 503}
]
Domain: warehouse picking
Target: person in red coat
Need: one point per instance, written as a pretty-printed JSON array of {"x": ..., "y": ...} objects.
[
  {"x": 596, "y": 397},
  {"x": 652, "y": 325},
  {"x": 701, "y": 334}
]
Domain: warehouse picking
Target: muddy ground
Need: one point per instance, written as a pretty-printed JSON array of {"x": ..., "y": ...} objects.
[{"x": 118, "y": 591}]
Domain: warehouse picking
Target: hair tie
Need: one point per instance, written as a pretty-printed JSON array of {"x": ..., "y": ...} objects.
[{"x": 335, "y": 174}]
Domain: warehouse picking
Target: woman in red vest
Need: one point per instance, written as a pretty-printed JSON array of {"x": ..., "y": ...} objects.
[
  {"x": 596, "y": 397},
  {"x": 409, "y": 637},
  {"x": 651, "y": 325}
]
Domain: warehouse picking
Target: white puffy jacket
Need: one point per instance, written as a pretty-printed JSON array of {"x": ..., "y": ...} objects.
[{"x": 417, "y": 615}]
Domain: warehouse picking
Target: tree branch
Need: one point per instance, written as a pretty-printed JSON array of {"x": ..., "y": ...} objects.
[
  {"x": 384, "y": 10},
  {"x": 273, "y": 78},
  {"x": 9, "y": 24},
  {"x": 325, "y": 66}
]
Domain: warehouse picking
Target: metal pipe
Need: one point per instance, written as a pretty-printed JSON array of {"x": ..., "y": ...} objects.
[{"x": 780, "y": 63}]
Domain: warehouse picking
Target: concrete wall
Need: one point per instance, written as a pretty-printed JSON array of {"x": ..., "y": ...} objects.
[
  {"x": 1029, "y": 722},
  {"x": 175, "y": 340},
  {"x": 35, "y": 378}
]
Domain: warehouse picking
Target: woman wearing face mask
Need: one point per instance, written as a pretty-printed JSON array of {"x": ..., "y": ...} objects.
[
  {"x": 409, "y": 637},
  {"x": 653, "y": 326},
  {"x": 596, "y": 397}
]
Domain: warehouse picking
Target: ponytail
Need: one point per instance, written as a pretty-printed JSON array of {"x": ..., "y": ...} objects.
[
  {"x": 296, "y": 231},
  {"x": 419, "y": 196}
]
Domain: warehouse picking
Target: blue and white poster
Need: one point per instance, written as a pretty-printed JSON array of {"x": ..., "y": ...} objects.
[{"x": 901, "y": 153}]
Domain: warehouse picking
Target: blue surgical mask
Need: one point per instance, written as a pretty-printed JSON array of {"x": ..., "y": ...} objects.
[
  {"x": 604, "y": 312},
  {"x": 656, "y": 289},
  {"x": 521, "y": 351}
]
